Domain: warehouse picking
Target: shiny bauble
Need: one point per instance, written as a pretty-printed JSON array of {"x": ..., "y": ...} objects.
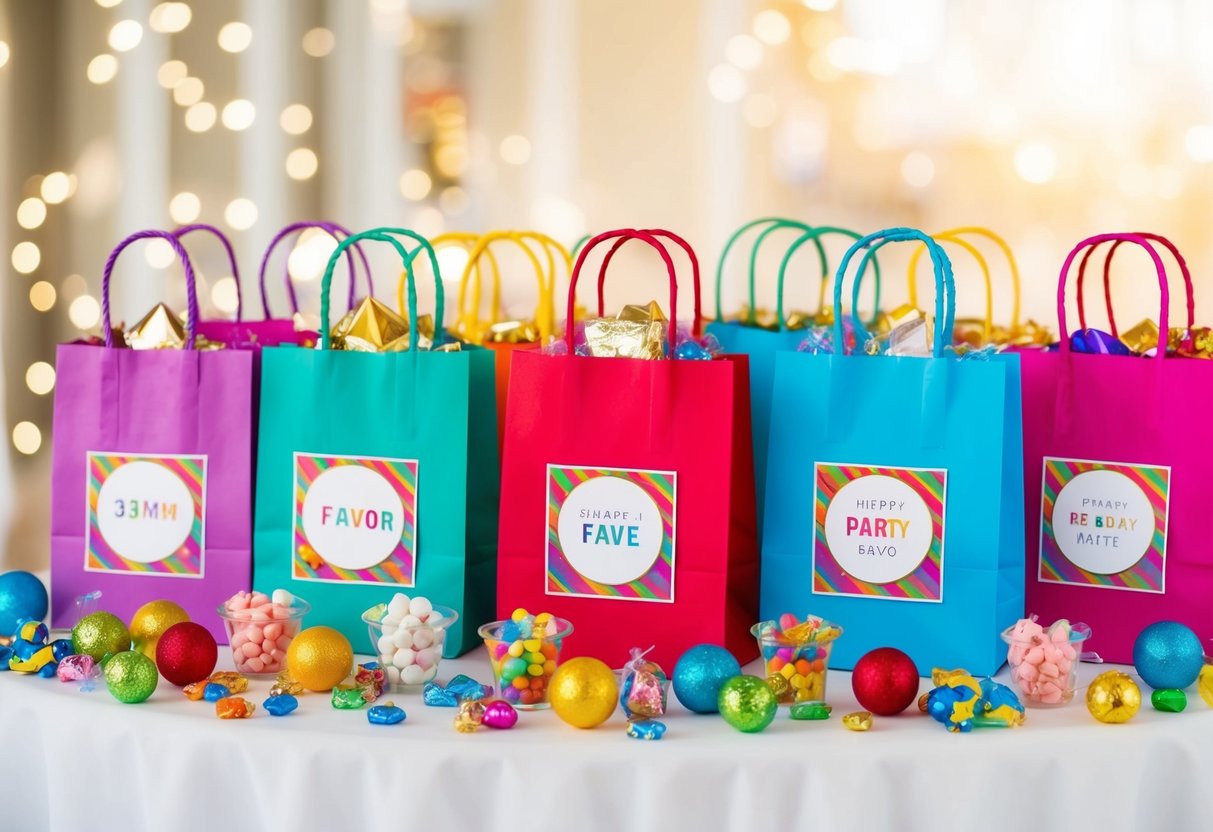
[
  {"x": 885, "y": 681},
  {"x": 1168, "y": 654},
  {"x": 99, "y": 634},
  {"x": 319, "y": 658},
  {"x": 22, "y": 595},
  {"x": 1204, "y": 684},
  {"x": 699, "y": 674},
  {"x": 130, "y": 677},
  {"x": 186, "y": 653},
  {"x": 149, "y": 623},
  {"x": 747, "y": 703},
  {"x": 1113, "y": 697},
  {"x": 583, "y": 692}
]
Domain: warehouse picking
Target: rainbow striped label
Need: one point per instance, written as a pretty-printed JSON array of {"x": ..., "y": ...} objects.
[
  {"x": 610, "y": 532},
  {"x": 355, "y": 519},
  {"x": 878, "y": 532},
  {"x": 146, "y": 514},
  {"x": 1104, "y": 524}
]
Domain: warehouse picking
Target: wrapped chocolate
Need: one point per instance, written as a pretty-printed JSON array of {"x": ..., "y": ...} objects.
[
  {"x": 636, "y": 332},
  {"x": 373, "y": 327},
  {"x": 159, "y": 329},
  {"x": 512, "y": 332}
]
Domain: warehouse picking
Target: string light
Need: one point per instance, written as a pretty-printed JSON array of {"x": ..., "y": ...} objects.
[
  {"x": 184, "y": 207},
  {"x": 40, "y": 378},
  {"x": 415, "y": 184},
  {"x": 726, "y": 83},
  {"x": 189, "y": 91},
  {"x": 819, "y": 5},
  {"x": 772, "y": 27},
  {"x": 31, "y": 213},
  {"x": 169, "y": 18},
  {"x": 171, "y": 73},
  {"x": 225, "y": 295},
  {"x": 318, "y": 42},
  {"x": 743, "y": 51},
  {"x": 296, "y": 119},
  {"x": 26, "y": 257},
  {"x": 125, "y": 35},
  {"x": 73, "y": 287},
  {"x": 301, "y": 163},
  {"x": 27, "y": 438},
  {"x": 42, "y": 296},
  {"x": 917, "y": 169},
  {"x": 310, "y": 255},
  {"x": 200, "y": 117},
  {"x": 453, "y": 200},
  {"x": 515, "y": 150},
  {"x": 159, "y": 253},
  {"x": 102, "y": 69},
  {"x": 4, "y": 53},
  {"x": 235, "y": 36},
  {"x": 84, "y": 312},
  {"x": 1036, "y": 162},
  {"x": 238, "y": 114},
  {"x": 1198, "y": 142},
  {"x": 56, "y": 187},
  {"x": 240, "y": 214}
]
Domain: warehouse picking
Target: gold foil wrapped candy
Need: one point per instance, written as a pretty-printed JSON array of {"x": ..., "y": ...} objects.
[
  {"x": 372, "y": 326},
  {"x": 160, "y": 329},
  {"x": 512, "y": 332},
  {"x": 636, "y": 332}
]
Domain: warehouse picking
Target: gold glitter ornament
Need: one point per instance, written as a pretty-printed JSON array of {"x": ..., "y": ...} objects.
[
  {"x": 1113, "y": 697},
  {"x": 583, "y": 692},
  {"x": 1204, "y": 684},
  {"x": 319, "y": 658},
  {"x": 151, "y": 620},
  {"x": 858, "y": 721}
]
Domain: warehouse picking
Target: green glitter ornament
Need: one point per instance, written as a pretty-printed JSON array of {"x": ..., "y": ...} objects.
[
  {"x": 747, "y": 703},
  {"x": 99, "y": 634},
  {"x": 131, "y": 677}
]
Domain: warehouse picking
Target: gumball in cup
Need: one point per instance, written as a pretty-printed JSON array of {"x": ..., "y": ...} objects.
[
  {"x": 796, "y": 656},
  {"x": 524, "y": 652},
  {"x": 260, "y": 628}
]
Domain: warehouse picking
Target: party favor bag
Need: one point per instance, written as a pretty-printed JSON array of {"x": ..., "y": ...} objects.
[
  {"x": 761, "y": 334},
  {"x": 640, "y": 472},
  {"x": 1116, "y": 454},
  {"x": 377, "y": 471},
  {"x": 152, "y": 455},
  {"x": 894, "y": 495}
]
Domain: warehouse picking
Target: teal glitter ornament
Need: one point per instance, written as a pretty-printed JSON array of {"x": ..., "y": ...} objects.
[
  {"x": 699, "y": 674},
  {"x": 1168, "y": 655},
  {"x": 131, "y": 677},
  {"x": 22, "y": 595},
  {"x": 747, "y": 703},
  {"x": 99, "y": 634}
]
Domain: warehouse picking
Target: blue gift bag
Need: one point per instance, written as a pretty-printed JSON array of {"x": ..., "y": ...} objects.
[
  {"x": 895, "y": 491},
  {"x": 746, "y": 336}
]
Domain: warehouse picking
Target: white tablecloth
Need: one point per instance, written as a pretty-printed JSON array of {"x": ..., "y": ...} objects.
[{"x": 79, "y": 761}]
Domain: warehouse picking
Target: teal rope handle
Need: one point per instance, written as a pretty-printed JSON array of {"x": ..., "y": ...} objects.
[
  {"x": 385, "y": 235},
  {"x": 736, "y": 235},
  {"x": 815, "y": 234},
  {"x": 585, "y": 238},
  {"x": 945, "y": 286}
]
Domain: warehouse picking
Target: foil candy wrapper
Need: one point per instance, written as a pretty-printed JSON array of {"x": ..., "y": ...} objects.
[
  {"x": 636, "y": 332},
  {"x": 372, "y": 326}
]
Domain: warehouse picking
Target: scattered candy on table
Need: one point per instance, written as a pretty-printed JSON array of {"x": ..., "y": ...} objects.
[
  {"x": 1044, "y": 663},
  {"x": 524, "y": 653},
  {"x": 185, "y": 653},
  {"x": 584, "y": 692},
  {"x": 465, "y": 687},
  {"x": 285, "y": 684},
  {"x": 408, "y": 634},
  {"x": 386, "y": 714},
  {"x": 234, "y": 707},
  {"x": 470, "y": 717},
  {"x": 77, "y": 669},
  {"x": 131, "y": 677},
  {"x": 885, "y": 681},
  {"x": 371, "y": 680},
  {"x": 799, "y": 651},
  {"x": 858, "y": 721},
  {"x": 645, "y": 729},
  {"x": 811, "y": 711},
  {"x": 213, "y": 692},
  {"x": 699, "y": 674},
  {"x": 747, "y": 704},
  {"x": 280, "y": 704},
  {"x": 347, "y": 698},
  {"x": 194, "y": 691},
  {"x": 644, "y": 687},
  {"x": 261, "y": 628},
  {"x": 30, "y": 651},
  {"x": 1168, "y": 654},
  {"x": 499, "y": 714},
  {"x": 149, "y": 623},
  {"x": 1113, "y": 697},
  {"x": 1170, "y": 700},
  {"x": 961, "y": 703},
  {"x": 436, "y": 696}
]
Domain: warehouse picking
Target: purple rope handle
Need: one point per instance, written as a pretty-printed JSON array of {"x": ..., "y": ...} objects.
[
  {"x": 191, "y": 287},
  {"x": 231, "y": 257},
  {"x": 332, "y": 228}
]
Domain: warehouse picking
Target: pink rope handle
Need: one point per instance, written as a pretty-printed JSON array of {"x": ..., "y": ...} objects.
[
  {"x": 627, "y": 233},
  {"x": 191, "y": 286},
  {"x": 183, "y": 230},
  {"x": 1107, "y": 280},
  {"x": 1164, "y": 290},
  {"x": 697, "y": 323}
]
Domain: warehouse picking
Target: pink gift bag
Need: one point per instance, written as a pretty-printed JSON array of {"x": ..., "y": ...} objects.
[
  {"x": 1116, "y": 455},
  {"x": 151, "y": 493}
]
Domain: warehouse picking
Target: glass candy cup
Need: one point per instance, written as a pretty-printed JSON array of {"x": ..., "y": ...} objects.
[
  {"x": 418, "y": 645},
  {"x": 259, "y": 646},
  {"x": 1032, "y": 673},
  {"x": 522, "y": 679},
  {"x": 804, "y": 665}
]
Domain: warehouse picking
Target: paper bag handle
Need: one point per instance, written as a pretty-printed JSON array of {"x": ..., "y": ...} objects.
[
  {"x": 955, "y": 235},
  {"x": 183, "y": 230},
  {"x": 1107, "y": 279},
  {"x": 697, "y": 322},
  {"x": 544, "y": 308},
  {"x": 775, "y": 224},
  {"x": 191, "y": 286},
  {"x": 815, "y": 234},
  {"x": 334, "y": 230},
  {"x": 628, "y": 234}
]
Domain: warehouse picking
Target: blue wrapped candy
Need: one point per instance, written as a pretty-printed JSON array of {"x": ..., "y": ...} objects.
[
  {"x": 999, "y": 706},
  {"x": 436, "y": 696},
  {"x": 48, "y": 670},
  {"x": 385, "y": 714},
  {"x": 61, "y": 648},
  {"x": 1097, "y": 342},
  {"x": 214, "y": 691},
  {"x": 280, "y": 704},
  {"x": 645, "y": 729},
  {"x": 962, "y": 703},
  {"x": 467, "y": 689},
  {"x": 32, "y": 630}
]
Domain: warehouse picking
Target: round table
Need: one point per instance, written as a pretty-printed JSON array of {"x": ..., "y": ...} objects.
[{"x": 74, "y": 760}]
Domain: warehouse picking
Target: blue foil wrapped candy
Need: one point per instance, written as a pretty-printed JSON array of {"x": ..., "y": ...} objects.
[
  {"x": 436, "y": 696},
  {"x": 645, "y": 729},
  {"x": 214, "y": 691},
  {"x": 466, "y": 688},
  {"x": 280, "y": 704},
  {"x": 1097, "y": 342},
  {"x": 385, "y": 714}
]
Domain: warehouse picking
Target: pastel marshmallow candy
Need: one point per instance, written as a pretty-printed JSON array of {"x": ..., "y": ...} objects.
[
  {"x": 1042, "y": 661},
  {"x": 410, "y": 645},
  {"x": 262, "y": 630}
]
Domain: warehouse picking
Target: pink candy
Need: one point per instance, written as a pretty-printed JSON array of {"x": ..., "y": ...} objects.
[
  {"x": 261, "y": 630},
  {"x": 1043, "y": 662}
]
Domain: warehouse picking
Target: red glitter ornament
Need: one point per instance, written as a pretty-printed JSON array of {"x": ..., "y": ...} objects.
[
  {"x": 885, "y": 681},
  {"x": 186, "y": 653}
]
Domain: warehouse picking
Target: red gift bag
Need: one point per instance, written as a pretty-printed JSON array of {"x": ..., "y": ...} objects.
[{"x": 641, "y": 472}]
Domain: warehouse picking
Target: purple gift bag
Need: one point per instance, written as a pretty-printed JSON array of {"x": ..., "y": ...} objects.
[{"x": 151, "y": 493}]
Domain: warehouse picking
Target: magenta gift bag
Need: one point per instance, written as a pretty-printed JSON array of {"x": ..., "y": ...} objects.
[
  {"x": 151, "y": 492},
  {"x": 1116, "y": 455}
]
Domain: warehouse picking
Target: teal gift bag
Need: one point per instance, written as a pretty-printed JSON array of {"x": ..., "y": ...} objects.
[
  {"x": 895, "y": 491},
  {"x": 761, "y": 339},
  {"x": 377, "y": 473}
]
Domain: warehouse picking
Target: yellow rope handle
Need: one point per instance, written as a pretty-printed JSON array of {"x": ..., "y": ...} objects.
[
  {"x": 467, "y": 240},
  {"x": 543, "y": 310},
  {"x": 553, "y": 250},
  {"x": 953, "y": 235}
]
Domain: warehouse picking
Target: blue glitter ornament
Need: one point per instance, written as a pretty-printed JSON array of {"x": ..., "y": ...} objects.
[
  {"x": 699, "y": 675},
  {"x": 280, "y": 705},
  {"x": 22, "y": 595},
  {"x": 1168, "y": 654},
  {"x": 214, "y": 691}
]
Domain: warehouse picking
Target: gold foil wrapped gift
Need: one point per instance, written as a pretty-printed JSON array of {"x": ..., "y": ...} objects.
[
  {"x": 1194, "y": 343},
  {"x": 372, "y": 326},
  {"x": 512, "y": 332},
  {"x": 160, "y": 329},
  {"x": 636, "y": 332}
]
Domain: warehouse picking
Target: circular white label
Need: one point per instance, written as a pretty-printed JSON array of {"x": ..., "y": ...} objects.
[
  {"x": 144, "y": 511},
  {"x": 1102, "y": 522},
  {"x": 610, "y": 530},
  {"x": 352, "y": 517},
  {"x": 878, "y": 529}
]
